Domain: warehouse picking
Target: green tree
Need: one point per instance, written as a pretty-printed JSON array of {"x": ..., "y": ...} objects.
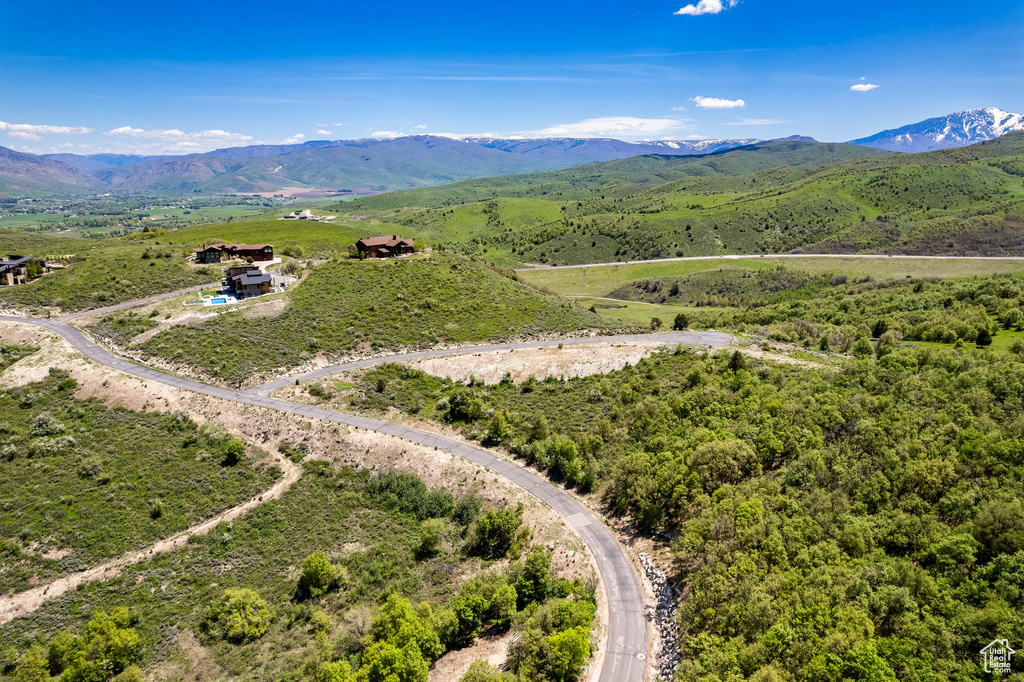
[
  {"x": 862, "y": 348},
  {"x": 240, "y": 615},
  {"x": 737, "y": 362},
  {"x": 496, "y": 531},
  {"x": 400, "y": 624},
  {"x": 984, "y": 338},
  {"x": 385, "y": 662},
  {"x": 33, "y": 667},
  {"x": 319, "y": 575},
  {"x": 482, "y": 671},
  {"x": 569, "y": 650},
  {"x": 233, "y": 451},
  {"x": 655, "y": 323},
  {"x": 681, "y": 322},
  {"x": 532, "y": 583},
  {"x": 431, "y": 533}
]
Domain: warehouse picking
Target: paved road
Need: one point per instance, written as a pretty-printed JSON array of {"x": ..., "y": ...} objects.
[
  {"x": 133, "y": 304},
  {"x": 765, "y": 255},
  {"x": 714, "y": 339},
  {"x": 627, "y": 626}
]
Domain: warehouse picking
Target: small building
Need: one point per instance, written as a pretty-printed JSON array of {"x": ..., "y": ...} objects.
[
  {"x": 387, "y": 246},
  {"x": 218, "y": 253},
  {"x": 20, "y": 269},
  {"x": 246, "y": 281}
]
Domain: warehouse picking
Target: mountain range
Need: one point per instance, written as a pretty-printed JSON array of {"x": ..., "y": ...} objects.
[
  {"x": 413, "y": 161},
  {"x": 956, "y": 130}
]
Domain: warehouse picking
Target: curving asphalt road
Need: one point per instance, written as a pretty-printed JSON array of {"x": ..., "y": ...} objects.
[
  {"x": 713, "y": 339},
  {"x": 627, "y": 625}
]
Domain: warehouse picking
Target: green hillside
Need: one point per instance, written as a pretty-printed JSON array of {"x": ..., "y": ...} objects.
[
  {"x": 371, "y": 305},
  {"x": 104, "y": 271},
  {"x": 772, "y": 197}
]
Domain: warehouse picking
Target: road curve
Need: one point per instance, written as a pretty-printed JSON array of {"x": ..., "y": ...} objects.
[
  {"x": 713, "y": 339},
  {"x": 627, "y": 625}
]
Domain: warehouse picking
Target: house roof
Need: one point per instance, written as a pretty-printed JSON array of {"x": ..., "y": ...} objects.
[
  {"x": 251, "y": 278},
  {"x": 386, "y": 240},
  {"x": 234, "y": 247}
]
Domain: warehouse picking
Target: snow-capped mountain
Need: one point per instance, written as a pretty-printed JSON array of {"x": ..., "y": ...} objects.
[
  {"x": 956, "y": 130},
  {"x": 575, "y": 150}
]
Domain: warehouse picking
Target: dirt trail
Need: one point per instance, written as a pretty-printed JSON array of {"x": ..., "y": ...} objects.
[{"x": 19, "y": 604}]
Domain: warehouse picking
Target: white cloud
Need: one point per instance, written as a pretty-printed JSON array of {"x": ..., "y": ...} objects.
[
  {"x": 680, "y": 108},
  {"x": 706, "y": 7},
  {"x": 756, "y": 122},
  {"x": 323, "y": 132},
  {"x": 614, "y": 126},
  {"x": 12, "y": 128},
  {"x": 863, "y": 87},
  {"x": 717, "y": 103},
  {"x": 175, "y": 140},
  {"x": 294, "y": 139},
  {"x": 419, "y": 127},
  {"x": 24, "y": 136},
  {"x": 386, "y": 134}
]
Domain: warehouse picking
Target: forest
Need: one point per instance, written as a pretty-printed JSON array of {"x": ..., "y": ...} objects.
[{"x": 855, "y": 521}]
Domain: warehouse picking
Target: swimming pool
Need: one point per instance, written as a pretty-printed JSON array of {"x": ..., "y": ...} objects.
[{"x": 219, "y": 300}]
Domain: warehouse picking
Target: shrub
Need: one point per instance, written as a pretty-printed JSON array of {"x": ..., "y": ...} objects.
[
  {"x": 239, "y": 616},
  {"x": 681, "y": 322},
  {"x": 496, "y": 531},
  {"x": 319, "y": 575},
  {"x": 233, "y": 451}
]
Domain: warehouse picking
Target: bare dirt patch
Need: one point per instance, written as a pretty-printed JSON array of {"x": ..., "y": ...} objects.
[
  {"x": 454, "y": 664},
  {"x": 565, "y": 362}
]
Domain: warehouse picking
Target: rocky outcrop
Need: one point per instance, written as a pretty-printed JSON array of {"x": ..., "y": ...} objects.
[{"x": 662, "y": 613}]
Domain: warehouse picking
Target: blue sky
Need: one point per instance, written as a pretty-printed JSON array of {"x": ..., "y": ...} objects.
[{"x": 162, "y": 77}]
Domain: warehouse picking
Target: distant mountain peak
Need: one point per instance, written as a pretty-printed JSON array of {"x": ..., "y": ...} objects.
[
  {"x": 955, "y": 130},
  {"x": 794, "y": 138}
]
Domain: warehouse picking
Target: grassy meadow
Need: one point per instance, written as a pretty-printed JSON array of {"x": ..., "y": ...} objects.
[
  {"x": 330, "y": 578},
  {"x": 603, "y": 279},
  {"x": 87, "y": 482},
  {"x": 110, "y": 271},
  {"x": 346, "y": 306}
]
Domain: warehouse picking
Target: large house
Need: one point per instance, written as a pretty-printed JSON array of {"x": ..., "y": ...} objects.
[
  {"x": 246, "y": 281},
  {"x": 20, "y": 269},
  {"x": 217, "y": 253},
  {"x": 384, "y": 247}
]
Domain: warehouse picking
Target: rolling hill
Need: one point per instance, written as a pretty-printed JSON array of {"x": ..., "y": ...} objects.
[
  {"x": 575, "y": 150},
  {"x": 772, "y": 197},
  {"x": 25, "y": 173}
]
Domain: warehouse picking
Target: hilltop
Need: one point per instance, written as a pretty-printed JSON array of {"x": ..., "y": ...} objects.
[{"x": 769, "y": 197}]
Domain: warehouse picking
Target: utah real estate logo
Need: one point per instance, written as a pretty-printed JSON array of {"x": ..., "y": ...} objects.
[{"x": 997, "y": 655}]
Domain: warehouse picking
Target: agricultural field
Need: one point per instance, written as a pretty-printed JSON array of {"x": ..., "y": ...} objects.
[
  {"x": 772, "y": 197},
  {"x": 79, "y": 492},
  {"x": 352, "y": 306},
  {"x": 347, "y": 576}
]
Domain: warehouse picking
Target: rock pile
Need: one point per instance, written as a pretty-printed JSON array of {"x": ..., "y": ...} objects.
[{"x": 663, "y": 614}]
